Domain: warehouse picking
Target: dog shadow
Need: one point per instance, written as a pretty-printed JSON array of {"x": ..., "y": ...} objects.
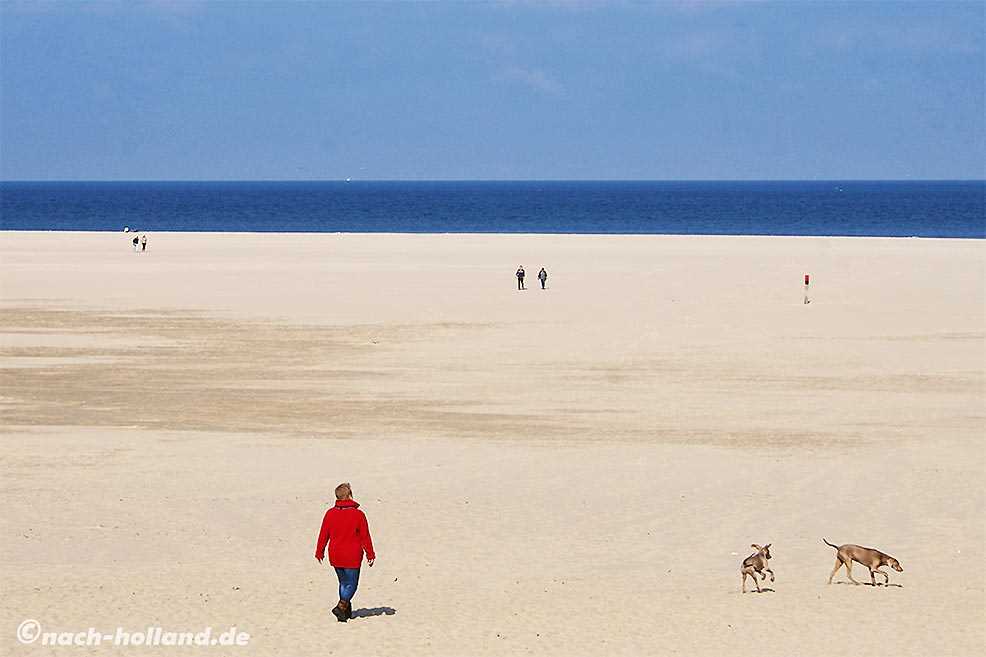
[
  {"x": 877, "y": 585},
  {"x": 374, "y": 611},
  {"x": 763, "y": 589}
]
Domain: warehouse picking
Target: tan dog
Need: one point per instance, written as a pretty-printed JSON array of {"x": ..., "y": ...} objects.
[
  {"x": 872, "y": 559},
  {"x": 757, "y": 563}
]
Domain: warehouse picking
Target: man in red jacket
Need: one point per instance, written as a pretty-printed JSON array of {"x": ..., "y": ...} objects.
[{"x": 344, "y": 528}]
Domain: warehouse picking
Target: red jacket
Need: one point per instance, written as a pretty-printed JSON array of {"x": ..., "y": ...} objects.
[{"x": 344, "y": 528}]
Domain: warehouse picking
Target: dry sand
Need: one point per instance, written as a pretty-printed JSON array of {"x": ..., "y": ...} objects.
[{"x": 571, "y": 471}]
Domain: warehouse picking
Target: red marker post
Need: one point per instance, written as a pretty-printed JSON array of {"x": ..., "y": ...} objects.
[{"x": 807, "y": 280}]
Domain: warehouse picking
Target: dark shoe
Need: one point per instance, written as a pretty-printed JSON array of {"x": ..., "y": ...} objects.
[
  {"x": 340, "y": 611},
  {"x": 349, "y": 609}
]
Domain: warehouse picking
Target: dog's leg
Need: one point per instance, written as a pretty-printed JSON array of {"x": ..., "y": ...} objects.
[
  {"x": 885, "y": 576},
  {"x": 849, "y": 571},
  {"x": 749, "y": 572},
  {"x": 753, "y": 575},
  {"x": 771, "y": 574},
  {"x": 838, "y": 564}
]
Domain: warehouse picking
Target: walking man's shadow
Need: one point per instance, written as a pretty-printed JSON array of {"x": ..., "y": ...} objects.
[{"x": 374, "y": 611}]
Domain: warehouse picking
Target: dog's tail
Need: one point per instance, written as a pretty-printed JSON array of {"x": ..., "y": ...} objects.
[{"x": 829, "y": 544}]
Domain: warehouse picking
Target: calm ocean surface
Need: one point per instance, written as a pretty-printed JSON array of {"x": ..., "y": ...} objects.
[{"x": 903, "y": 209}]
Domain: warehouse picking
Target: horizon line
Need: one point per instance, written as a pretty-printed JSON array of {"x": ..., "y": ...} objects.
[{"x": 481, "y": 180}]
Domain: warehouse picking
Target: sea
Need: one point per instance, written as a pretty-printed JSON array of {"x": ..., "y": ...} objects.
[{"x": 954, "y": 209}]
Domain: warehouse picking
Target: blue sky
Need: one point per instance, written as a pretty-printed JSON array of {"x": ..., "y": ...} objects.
[{"x": 507, "y": 90}]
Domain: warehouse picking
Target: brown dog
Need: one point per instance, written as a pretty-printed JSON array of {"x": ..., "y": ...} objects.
[
  {"x": 872, "y": 559},
  {"x": 757, "y": 563}
]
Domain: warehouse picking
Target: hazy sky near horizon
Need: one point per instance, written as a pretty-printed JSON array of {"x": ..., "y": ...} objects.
[{"x": 507, "y": 90}]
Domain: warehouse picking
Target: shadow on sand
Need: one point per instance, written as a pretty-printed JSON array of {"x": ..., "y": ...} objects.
[
  {"x": 374, "y": 611},
  {"x": 878, "y": 584}
]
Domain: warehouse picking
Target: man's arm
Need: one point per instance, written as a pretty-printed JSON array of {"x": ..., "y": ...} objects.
[
  {"x": 366, "y": 541},
  {"x": 323, "y": 538}
]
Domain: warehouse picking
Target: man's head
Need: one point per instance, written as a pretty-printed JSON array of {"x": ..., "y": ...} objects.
[{"x": 344, "y": 491}]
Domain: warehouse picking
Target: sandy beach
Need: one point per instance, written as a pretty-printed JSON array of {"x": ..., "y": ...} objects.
[{"x": 578, "y": 470}]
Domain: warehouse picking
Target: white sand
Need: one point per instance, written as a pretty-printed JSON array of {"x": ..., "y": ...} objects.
[{"x": 574, "y": 471}]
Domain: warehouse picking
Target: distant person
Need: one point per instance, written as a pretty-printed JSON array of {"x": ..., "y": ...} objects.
[
  {"x": 345, "y": 530},
  {"x": 520, "y": 278},
  {"x": 143, "y": 242},
  {"x": 543, "y": 277},
  {"x": 136, "y": 242}
]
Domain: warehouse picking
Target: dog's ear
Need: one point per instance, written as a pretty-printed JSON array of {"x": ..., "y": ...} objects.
[
  {"x": 755, "y": 547},
  {"x": 766, "y": 546}
]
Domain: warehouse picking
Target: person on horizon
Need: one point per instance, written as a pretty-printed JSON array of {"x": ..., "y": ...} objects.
[
  {"x": 136, "y": 241},
  {"x": 345, "y": 531},
  {"x": 520, "y": 278},
  {"x": 143, "y": 242},
  {"x": 543, "y": 277}
]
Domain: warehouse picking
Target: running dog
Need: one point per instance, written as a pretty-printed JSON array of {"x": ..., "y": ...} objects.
[
  {"x": 872, "y": 559},
  {"x": 757, "y": 563}
]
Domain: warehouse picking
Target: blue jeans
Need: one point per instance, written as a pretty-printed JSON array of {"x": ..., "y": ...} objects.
[{"x": 348, "y": 581}]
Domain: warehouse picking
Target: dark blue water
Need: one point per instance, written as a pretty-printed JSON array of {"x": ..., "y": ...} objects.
[{"x": 926, "y": 209}]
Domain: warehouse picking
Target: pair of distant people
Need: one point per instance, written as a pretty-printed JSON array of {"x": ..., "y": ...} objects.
[
  {"x": 542, "y": 276},
  {"x": 140, "y": 244}
]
